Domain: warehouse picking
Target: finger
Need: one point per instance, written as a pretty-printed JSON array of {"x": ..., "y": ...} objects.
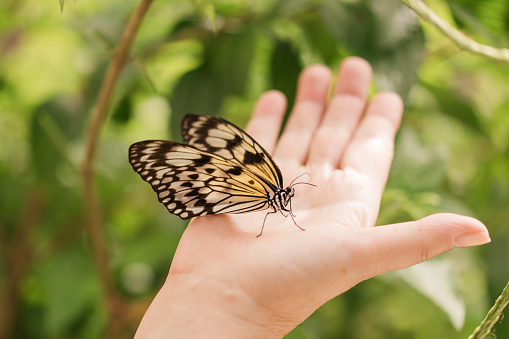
[
  {"x": 343, "y": 112},
  {"x": 306, "y": 114},
  {"x": 372, "y": 147},
  {"x": 392, "y": 247},
  {"x": 265, "y": 122}
]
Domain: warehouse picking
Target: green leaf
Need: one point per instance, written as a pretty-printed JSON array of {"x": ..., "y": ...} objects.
[
  {"x": 320, "y": 38},
  {"x": 196, "y": 92},
  {"x": 61, "y": 3},
  {"x": 487, "y": 18},
  {"x": 225, "y": 71},
  {"x": 53, "y": 126},
  {"x": 436, "y": 280},
  {"x": 386, "y": 33},
  {"x": 285, "y": 66},
  {"x": 123, "y": 111},
  {"x": 416, "y": 168},
  {"x": 70, "y": 287},
  {"x": 207, "y": 9},
  {"x": 458, "y": 108}
]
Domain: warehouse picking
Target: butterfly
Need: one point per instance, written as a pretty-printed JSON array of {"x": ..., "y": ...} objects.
[{"x": 218, "y": 169}]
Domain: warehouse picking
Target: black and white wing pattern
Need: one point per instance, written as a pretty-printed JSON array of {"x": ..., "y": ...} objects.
[
  {"x": 220, "y": 169},
  {"x": 191, "y": 182},
  {"x": 218, "y": 136}
]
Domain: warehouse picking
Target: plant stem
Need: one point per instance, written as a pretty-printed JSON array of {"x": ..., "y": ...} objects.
[
  {"x": 16, "y": 259},
  {"x": 458, "y": 38},
  {"x": 92, "y": 210},
  {"x": 493, "y": 316}
]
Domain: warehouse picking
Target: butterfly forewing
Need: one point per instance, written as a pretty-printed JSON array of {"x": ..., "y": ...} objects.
[
  {"x": 192, "y": 182},
  {"x": 218, "y": 136}
]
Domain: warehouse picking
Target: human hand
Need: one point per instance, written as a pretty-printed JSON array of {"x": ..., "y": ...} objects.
[{"x": 224, "y": 282}]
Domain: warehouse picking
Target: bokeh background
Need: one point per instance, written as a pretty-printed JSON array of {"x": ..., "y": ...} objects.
[{"x": 216, "y": 57}]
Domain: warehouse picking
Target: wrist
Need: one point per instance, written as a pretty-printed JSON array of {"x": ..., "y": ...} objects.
[{"x": 191, "y": 306}]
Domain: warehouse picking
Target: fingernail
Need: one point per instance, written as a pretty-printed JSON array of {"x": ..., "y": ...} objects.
[{"x": 472, "y": 239}]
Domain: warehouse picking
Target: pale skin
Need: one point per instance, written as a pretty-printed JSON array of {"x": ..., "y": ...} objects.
[{"x": 224, "y": 282}]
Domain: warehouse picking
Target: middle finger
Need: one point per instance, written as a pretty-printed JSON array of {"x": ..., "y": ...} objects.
[{"x": 306, "y": 114}]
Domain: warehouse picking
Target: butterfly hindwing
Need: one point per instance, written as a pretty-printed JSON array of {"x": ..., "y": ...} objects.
[
  {"x": 218, "y": 136},
  {"x": 192, "y": 182}
]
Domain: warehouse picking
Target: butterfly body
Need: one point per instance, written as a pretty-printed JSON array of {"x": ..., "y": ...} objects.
[{"x": 218, "y": 169}]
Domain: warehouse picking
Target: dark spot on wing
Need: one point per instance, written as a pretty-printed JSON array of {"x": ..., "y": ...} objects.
[
  {"x": 234, "y": 170},
  {"x": 205, "y": 159},
  {"x": 252, "y": 158},
  {"x": 193, "y": 193},
  {"x": 201, "y": 202},
  {"x": 237, "y": 140}
]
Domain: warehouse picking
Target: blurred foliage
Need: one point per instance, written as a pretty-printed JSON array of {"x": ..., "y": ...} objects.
[{"x": 216, "y": 57}]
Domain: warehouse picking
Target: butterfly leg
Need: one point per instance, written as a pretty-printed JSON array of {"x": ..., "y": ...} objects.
[
  {"x": 275, "y": 210},
  {"x": 264, "y": 219},
  {"x": 291, "y": 212},
  {"x": 302, "y": 229},
  {"x": 293, "y": 216}
]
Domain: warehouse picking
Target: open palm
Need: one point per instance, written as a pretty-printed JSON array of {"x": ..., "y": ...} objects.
[{"x": 271, "y": 283}]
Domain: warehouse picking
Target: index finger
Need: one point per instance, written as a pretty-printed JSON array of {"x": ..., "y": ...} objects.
[{"x": 265, "y": 122}]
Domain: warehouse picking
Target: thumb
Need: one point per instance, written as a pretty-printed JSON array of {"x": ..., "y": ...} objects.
[{"x": 402, "y": 245}]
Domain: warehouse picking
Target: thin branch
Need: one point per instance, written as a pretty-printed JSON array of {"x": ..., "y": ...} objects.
[
  {"x": 458, "y": 38},
  {"x": 99, "y": 114},
  {"x": 17, "y": 259},
  {"x": 493, "y": 316}
]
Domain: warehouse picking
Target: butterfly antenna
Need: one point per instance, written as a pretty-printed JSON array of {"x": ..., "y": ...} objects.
[
  {"x": 305, "y": 183},
  {"x": 298, "y": 177},
  {"x": 293, "y": 183}
]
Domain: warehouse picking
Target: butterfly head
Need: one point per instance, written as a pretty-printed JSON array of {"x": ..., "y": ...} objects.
[{"x": 286, "y": 195}]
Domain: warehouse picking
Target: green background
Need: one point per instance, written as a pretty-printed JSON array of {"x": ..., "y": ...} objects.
[{"x": 452, "y": 152}]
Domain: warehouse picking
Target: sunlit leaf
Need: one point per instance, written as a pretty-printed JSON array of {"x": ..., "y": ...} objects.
[
  {"x": 436, "y": 280},
  {"x": 285, "y": 67},
  {"x": 207, "y": 9},
  {"x": 225, "y": 70},
  {"x": 456, "y": 107},
  {"x": 386, "y": 33},
  {"x": 70, "y": 287},
  {"x": 488, "y": 19}
]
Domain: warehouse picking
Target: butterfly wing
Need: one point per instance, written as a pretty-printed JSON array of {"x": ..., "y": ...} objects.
[
  {"x": 218, "y": 136},
  {"x": 191, "y": 182}
]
